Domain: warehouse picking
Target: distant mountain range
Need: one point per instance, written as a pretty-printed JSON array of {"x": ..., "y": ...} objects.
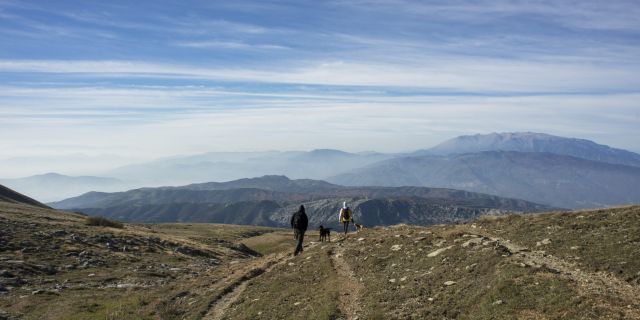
[
  {"x": 53, "y": 186},
  {"x": 562, "y": 172},
  {"x": 270, "y": 201},
  {"x": 557, "y": 180},
  {"x": 225, "y": 166},
  {"x": 541, "y": 168}
]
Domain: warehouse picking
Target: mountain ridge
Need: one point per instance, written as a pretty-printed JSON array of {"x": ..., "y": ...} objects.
[
  {"x": 535, "y": 142},
  {"x": 556, "y": 180},
  {"x": 8, "y": 195},
  {"x": 54, "y": 186},
  {"x": 252, "y": 205}
]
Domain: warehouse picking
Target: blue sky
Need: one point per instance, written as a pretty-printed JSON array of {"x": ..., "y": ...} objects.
[{"x": 145, "y": 79}]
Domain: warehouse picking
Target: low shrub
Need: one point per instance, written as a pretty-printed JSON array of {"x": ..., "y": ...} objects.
[{"x": 104, "y": 222}]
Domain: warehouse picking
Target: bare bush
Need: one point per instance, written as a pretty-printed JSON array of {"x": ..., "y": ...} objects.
[{"x": 104, "y": 222}]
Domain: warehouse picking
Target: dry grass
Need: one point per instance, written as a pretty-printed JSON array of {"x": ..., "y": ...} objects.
[
  {"x": 137, "y": 272},
  {"x": 175, "y": 271}
]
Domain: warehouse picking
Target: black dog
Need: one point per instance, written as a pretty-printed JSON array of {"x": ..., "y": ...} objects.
[{"x": 325, "y": 234}]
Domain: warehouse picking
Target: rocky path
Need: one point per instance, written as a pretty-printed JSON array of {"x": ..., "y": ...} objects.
[
  {"x": 588, "y": 283},
  {"x": 237, "y": 284},
  {"x": 350, "y": 287}
]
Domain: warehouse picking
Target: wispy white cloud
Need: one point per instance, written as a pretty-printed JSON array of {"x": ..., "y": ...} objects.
[
  {"x": 356, "y": 122},
  {"x": 611, "y": 15},
  {"x": 441, "y": 73},
  {"x": 235, "y": 45}
]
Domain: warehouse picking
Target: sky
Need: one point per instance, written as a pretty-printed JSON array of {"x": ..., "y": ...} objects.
[{"x": 119, "y": 81}]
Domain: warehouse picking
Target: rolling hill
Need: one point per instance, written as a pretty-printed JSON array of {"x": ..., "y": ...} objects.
[
  {"x": 9, "y": 196},
  {"x": 270, "y": 200},
  {"x": 558, "y": 265}
]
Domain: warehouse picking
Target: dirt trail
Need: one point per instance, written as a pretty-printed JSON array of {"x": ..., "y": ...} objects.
[
  {"x": 588, "y": 283},
  {"x": 237, "y": 284},
  {"x": 350, "y": 288}
]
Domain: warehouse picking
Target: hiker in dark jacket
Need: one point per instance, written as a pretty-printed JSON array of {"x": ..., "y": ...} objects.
[{"x": 299, "y": 223}]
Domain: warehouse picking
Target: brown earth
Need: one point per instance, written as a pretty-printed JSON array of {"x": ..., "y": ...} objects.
[{"x": 578, "y": 265}]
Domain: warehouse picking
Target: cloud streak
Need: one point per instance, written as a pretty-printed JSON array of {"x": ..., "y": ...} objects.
[{"x": 444, "y": 73}]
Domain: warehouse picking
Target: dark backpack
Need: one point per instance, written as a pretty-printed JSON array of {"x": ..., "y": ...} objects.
[
  {"x": 299, "y": 220},
  {"x": 346, "y": 213}
]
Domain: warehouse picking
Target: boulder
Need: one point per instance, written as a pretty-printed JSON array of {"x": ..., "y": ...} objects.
[
  {"x": 472, "y": 242},
  {"x": 438, "y": 252},
  {"x": 543, "y": 242}
]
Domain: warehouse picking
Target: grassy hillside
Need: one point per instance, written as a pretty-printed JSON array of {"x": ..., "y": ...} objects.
[
  {"x": 55, "y": 266},
  {"x": 577, "y": 265},
  {"x": 582, "y": 265}
]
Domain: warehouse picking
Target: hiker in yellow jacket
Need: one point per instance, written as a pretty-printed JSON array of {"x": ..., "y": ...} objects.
[{"x": 346, "y": 216}]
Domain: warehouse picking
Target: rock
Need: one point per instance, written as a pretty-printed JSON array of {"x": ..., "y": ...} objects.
[
  {"x": 360, "y": 239},
  {"x": 440, "y": 243},
  {"x": 12, "y": 282},
  {"x": 46, "y": 269},
  {"x": 497, "y": 302},
  {"x": 439, "y": 251},
  {"x": 44, "y": 292},
  {"x": 6, "y": 274},
  {"x": 430, "y": 299},
  {"x": 419, "y": 239},
  {"x": 471, "y": 266},
  {"x": 58, "y": 233},
  {"x": 543, "y": 242},
  {"x": 403, "y": 279},
  {"x": 396, "y": 247},
  {"x": 473, "y": 241},
  {"x": 392, "y": 280},
  {"x": 297, "y": 303},
  {"x": 449, "y": 283}
]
